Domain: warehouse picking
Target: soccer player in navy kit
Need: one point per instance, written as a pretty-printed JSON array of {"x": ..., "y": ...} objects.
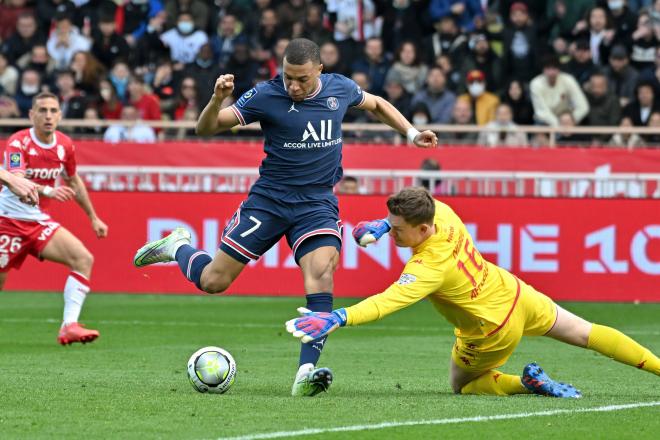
[{"x": 300, "y": 113}]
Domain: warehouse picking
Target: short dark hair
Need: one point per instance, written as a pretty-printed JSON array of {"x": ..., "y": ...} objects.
[
  {"x": 414, "y": 204},
  {"x": 551, "y": 61},
  {"x": 44, "y": 95},
  {"x": 63, "y": 72},
  {"x": 301, "y": 50}
]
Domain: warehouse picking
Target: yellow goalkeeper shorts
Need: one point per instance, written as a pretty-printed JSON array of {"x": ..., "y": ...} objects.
[{"x": 532, "y": 314}]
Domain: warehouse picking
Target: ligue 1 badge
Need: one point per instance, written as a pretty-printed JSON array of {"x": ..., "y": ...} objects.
[
  {"x": 333, "y": 104},
  {"x": 14, "y": 160}
]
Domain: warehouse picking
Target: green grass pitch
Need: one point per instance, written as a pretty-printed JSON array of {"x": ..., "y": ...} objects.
[{"x": 131, "y": 383}]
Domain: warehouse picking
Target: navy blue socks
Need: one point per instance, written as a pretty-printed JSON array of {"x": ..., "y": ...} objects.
[
  {"x": 192, "y": 262},
  {"x": 310, "y": 352}
]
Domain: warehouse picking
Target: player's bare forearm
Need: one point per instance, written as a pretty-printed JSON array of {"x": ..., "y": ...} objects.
[
  {"x": 388, "y": 114},
  {"x": 82, "y": 196},
  {"x": 207, "y": 124},
  {"x": 214, "y": 118}
]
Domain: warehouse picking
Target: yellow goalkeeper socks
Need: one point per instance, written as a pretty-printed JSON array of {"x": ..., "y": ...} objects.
[
  {"x": 614, "y": 344},
  {"x": 495, "y": 383}
]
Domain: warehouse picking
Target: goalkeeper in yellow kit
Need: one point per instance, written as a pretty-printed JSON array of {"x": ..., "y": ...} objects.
[{"x": 490, "y": 307}]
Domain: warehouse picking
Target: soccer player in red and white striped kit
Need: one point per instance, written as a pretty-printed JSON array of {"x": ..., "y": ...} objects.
[{"x": 42, "y": 154}]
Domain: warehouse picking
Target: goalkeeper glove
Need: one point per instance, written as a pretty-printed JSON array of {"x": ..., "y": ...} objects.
[
  {"x": 314, "y": 325},
  {"x": 369, "y": 232}
]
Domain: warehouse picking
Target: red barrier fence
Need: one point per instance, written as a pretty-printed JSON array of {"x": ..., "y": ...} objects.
[
  {"x": 605, "y": 250},
  {"x": 249, "y": 154}
]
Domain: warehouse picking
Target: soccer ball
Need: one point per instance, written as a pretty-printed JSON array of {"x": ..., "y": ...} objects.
[{"x": 211, "y": 370}]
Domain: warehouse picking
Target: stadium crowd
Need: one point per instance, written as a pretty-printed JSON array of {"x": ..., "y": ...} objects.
[{"x": 498, "y": 64}]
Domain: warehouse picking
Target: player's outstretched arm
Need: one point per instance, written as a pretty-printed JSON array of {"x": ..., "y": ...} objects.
[
  {"x": 82, "y": 198},
  {"x": 215, "y": 119},
  {"x": 388, "y": 114},
  {"x": 25, "y": 190},
  {"x": 406, "y": 291},
  {"x": 314, "y": 325}
]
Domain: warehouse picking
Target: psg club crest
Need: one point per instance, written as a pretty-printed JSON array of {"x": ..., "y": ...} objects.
[
  {"x": 333, "y": 104},
  {"x": 60, "y": 152}
]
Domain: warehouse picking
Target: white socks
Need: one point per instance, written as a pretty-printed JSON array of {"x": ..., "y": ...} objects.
[{"x": 75, "y": 291}]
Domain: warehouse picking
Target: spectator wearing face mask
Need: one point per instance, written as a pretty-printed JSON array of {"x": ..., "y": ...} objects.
[
  {"x": 203, "y": 71},
  {"x": 420, "y": 114},
  {"x": 623, "y": 19},
  {"x": 109, "y": 104},
  {"x": 482, "y": 58},
  {"x": 30, "y": 87},
  {"x": 482, "y": 102},
  {"x": 435, "y": 97},
  {"x": 198, "y": 9},
  {"x": 184, "y": 41}
]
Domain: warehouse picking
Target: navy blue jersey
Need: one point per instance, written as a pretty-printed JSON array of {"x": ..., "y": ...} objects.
[{"x": 302, "y": 139}]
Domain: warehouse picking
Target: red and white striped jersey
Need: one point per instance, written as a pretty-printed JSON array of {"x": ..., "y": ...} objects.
[{"x": 39, "y": 162}]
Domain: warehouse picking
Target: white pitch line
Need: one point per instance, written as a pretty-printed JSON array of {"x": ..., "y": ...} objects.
[
  {"x": 385, "y": 425},
  {"x": 376, "y": 327}
]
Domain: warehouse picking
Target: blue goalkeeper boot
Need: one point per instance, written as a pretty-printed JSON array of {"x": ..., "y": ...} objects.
[{"x": 538, "y": 382}]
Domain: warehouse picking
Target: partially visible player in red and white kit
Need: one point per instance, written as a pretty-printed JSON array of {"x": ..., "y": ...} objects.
[{"x": 41, "y": 154}]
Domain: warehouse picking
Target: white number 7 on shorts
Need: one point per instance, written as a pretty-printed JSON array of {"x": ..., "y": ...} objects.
[{"x": 257, "y": 223}]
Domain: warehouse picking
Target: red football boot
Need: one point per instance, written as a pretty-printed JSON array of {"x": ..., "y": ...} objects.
[{"x": 75, "y": 332}]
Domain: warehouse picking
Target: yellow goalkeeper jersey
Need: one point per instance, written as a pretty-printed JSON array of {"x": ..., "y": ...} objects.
[{"x": 474, "y": 295}]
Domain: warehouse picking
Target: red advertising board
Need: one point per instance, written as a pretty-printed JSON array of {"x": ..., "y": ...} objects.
[
  {"x": 586, "y": 249},
  {"x": 375, "y": 156}
]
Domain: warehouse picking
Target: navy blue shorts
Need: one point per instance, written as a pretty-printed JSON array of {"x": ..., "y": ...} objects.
[{"x": 260, "y": 222}]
